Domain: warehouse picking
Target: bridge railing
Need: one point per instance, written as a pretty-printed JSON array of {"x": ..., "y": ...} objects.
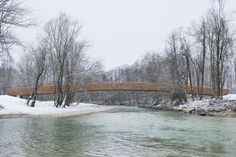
[{"x": 130, "y": 86}]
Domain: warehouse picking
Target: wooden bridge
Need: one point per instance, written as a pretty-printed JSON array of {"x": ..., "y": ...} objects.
[{"x": 44, "y": 90}]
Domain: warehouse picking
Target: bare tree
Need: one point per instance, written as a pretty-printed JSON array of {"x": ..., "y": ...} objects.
[
  {"x": 220, "y": 42},
  {"x": 39, "y": 57},
  {"x": 7, "y": 75},
  {"x": 177, "y": 66},
  {"x": 67, "y": 58},
  {"x": 77, "y": 67},
  {"x": 152, "y": 67},
  {"x": 26, "y": 69},
  {"x": 185, "y": 49},
  {"x": 200, "y": 35},
  {"x": 12, "y": 15}
]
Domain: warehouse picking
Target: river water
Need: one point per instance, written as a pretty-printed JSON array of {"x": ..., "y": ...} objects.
[{"x": 124, "y": 131}]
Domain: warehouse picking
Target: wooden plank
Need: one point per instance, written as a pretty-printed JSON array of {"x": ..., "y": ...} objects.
[{"x": 130, "y": 86}]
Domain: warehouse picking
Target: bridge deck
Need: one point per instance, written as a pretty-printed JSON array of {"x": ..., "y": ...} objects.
[{"x": 44, "y": 90}]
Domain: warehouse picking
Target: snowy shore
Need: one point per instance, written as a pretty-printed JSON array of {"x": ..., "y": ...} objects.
[
  {"x": 206, "y": 107},
  {"x": 16, "y": 107}
]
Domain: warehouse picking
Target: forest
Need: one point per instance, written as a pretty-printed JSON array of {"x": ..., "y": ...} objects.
[{"x": 201, "y": 55}]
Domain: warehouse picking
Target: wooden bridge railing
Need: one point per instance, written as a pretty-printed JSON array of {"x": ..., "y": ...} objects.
[{"x": 44, "y": 90}]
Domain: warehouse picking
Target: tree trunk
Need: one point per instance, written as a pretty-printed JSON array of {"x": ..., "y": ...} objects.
[{"x": 203, "y": 59}]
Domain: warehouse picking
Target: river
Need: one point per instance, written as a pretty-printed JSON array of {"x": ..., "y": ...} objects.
[{"x": 124, "y": 131}]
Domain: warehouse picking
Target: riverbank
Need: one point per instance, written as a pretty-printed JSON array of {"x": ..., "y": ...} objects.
[
  {"x": 12, "y": 107},
  {"x": 206, "y": 107}
]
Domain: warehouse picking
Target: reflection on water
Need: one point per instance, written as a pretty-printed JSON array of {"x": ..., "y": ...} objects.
[{"x": 127, "y": 131}]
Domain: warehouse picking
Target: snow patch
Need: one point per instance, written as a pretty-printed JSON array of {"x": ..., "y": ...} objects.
[
  {"x": 14, "y": 105},
  {"x": 229, "y": 97}
]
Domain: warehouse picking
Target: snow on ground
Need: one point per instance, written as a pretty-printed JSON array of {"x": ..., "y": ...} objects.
[
  {"x": 201, "y": 105},
  {"x": 11, "y": 105},
  {"x": 230, "y": 97},
  {"x": 228, "y": 104}
]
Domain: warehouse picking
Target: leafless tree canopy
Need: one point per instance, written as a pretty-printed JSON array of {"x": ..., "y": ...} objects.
[
  {"x": 12, "y": 15},
  {"x": 220, "y": 38},
  {"x": 68, "y": 60},
  {"x": 199, "y": 56}
]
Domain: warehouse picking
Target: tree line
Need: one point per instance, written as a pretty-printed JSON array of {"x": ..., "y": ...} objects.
[
  {"x": 59, "y": 56},
  {"x": 201, "y": 55}
]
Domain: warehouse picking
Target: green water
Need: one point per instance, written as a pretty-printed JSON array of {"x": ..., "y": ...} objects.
[{"x": 126, "y": 131}]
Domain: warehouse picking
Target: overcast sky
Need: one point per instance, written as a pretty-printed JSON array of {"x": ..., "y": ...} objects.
[{"x": 121, "y": 31}]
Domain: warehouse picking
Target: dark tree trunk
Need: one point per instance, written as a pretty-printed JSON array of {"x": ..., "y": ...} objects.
[
  {"x": 34, "y": 92},
  {"x": 203, "y": 59}
]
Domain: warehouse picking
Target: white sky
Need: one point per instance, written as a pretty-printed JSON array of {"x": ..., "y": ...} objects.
[{"x": 121, "y": 31}]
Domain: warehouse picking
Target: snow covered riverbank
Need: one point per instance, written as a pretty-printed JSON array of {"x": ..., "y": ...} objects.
[
  {"x": 16, "y": 107},
  {"x": 206, "y": 107},
  {"x": 210, "y": 107}
]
